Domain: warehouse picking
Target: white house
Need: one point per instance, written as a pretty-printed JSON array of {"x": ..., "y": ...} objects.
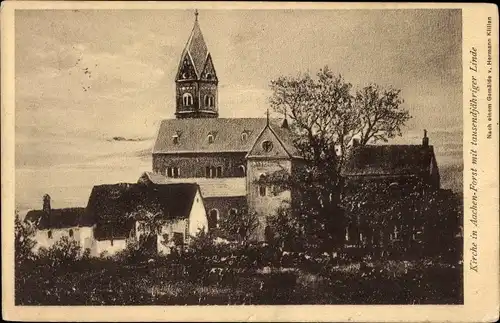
[
  {"x": 53, "y": 224},
  {"x": 127, "y": 211}
]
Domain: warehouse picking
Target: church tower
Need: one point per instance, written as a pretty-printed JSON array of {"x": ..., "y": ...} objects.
[{"x": 196, "y": 81}]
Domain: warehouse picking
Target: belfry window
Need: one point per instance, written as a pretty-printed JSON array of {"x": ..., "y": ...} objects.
[
  {"x": 209, "y": 101},
  {"x": 187, "y": 99}
]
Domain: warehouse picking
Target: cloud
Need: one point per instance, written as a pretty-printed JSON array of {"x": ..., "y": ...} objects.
[{"x": 64, "y": 116}]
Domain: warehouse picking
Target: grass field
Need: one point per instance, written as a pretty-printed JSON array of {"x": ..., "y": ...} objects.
[{"x": 113, "y": 283}]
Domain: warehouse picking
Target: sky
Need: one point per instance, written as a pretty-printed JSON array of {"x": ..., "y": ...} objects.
[{"x": 86, "y": 76}]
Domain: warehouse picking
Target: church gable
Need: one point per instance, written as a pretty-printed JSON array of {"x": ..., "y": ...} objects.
[
  {"x": 186, "y": 69},
  {"x": 209, "y": 70},
  {"x": 268, "y": 145}
]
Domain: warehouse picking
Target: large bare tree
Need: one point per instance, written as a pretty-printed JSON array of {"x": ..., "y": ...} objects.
[{"x": 326, "y": 114}]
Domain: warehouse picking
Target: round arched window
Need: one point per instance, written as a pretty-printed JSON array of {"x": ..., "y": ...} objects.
[
  {"x": 267, "y": 146},
  {"x": 71, "y": 232},
  {"x": 209, "y": 101},
  {"x": 244, "y": 136},
  {"x": 49, "y": 234},
  {"x": 187, "y": 99},
  {"x": 213, "y": 217},
  {"x": 242, "y": 170}
]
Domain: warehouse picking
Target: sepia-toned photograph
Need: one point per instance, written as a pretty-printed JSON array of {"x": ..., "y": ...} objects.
[
  {"x": 211, "y": 156},
  {"x": 238, "y": 157}
]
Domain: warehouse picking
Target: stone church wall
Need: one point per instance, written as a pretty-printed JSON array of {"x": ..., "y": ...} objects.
[
  {"x": 194, "y": 165},
  {"x": 268, "y": 204}
]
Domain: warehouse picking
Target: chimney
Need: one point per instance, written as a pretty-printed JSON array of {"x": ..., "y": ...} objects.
[
  {"x": 355, "y": 142},
  {"x": 46, "y": 203},
  {"x": 425, "y": 140}
]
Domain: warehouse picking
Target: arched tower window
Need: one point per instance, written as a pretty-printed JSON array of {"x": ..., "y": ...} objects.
[
  {"x": 210, "y": 138},
  {"x": 71, "y": 233},
  {"x": 244, "y": 136},
  {"x": 209, "y": 101},
  {"x": 187, "y": 99},
  {"x": 49, "y": 234}
]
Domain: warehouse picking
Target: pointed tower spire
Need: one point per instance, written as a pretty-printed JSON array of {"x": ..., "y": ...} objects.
[
  {"x": 267, "y": 117},
  {"x": 196, "y": 80}
]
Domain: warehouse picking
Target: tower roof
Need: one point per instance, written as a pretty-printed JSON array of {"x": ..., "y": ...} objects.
[{"x": 196, "y": 48}]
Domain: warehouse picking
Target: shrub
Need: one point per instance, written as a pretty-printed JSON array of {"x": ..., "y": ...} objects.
[
  {"x": 65, "y": 252},
  {"x": 24, "y": 243}
]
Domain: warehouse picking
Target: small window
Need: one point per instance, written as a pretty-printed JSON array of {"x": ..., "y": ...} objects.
[
  {"x": 49, "y": 234},
  {"x": 262, "y": 186},
  {"x": 213, "y": 217},
  {"x": 241, "y": 170},
  {"x": 244, "y": 136},
  {"x": 210, "y": 139},
  {"x": 212, "y": 171},
  {"x": 173, "y": 172},
  {"x": 233, "y": 211},
  {"x": 187, "y": 99},
  {"x": 209, "y": 101},
  {"x": 175, "y": 139},
  {"x": 71, "y": 232},
  {"x": 178, "y": 238},
  {"x": 262, "y": 190},
  {"x": 268, "y": 233},
  {"x": 267, "y": 146}
]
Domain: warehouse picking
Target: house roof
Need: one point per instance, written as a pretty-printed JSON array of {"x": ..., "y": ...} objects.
[
  {"x": 209, "y": 187},
  {"x": 381, "y": 160},
  {"x": 59, "y": 218},
  {"x": 110, "y": 205},
  {"x": 227, "y": 135}
]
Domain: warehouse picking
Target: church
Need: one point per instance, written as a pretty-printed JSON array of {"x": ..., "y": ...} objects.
[
  {"x": 226, "y": 157},
  {"x": 205, "y": 168}
]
